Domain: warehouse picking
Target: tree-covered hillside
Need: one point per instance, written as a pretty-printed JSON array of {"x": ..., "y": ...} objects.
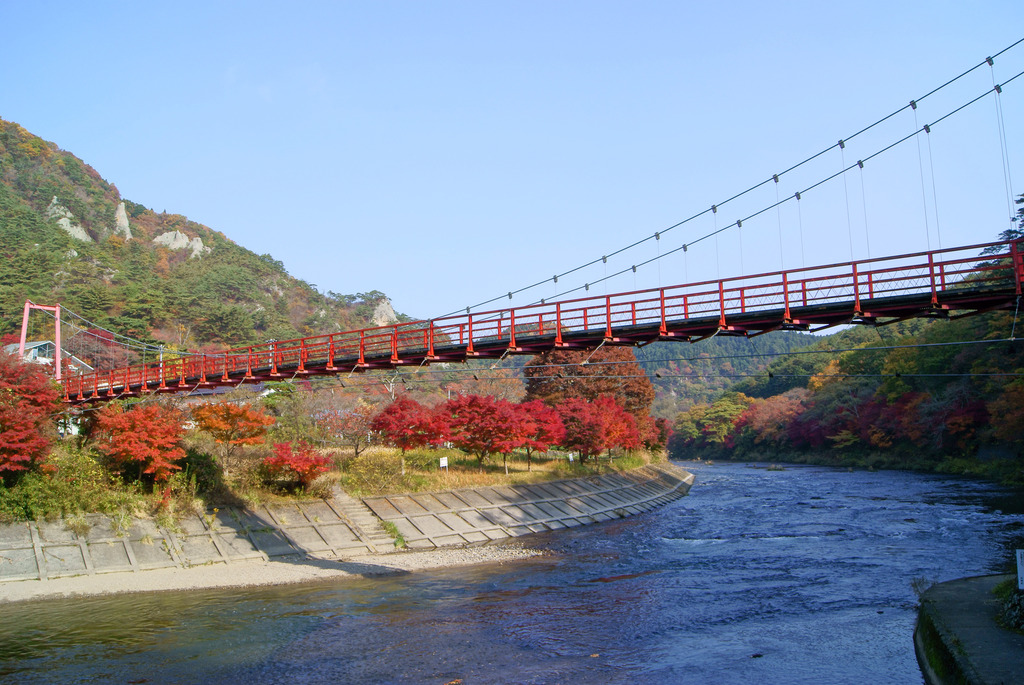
[
  {"x": 942, "y": 395},
  {"x": 685, "y": 374},
  {"x": 67, "y": 236}
]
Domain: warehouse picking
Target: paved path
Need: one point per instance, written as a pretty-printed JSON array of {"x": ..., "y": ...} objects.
[
  {"x": 493, "y": 513},
  {"x": 961, "y": 616}
]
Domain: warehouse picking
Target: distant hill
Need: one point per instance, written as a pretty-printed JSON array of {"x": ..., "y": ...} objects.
[
  {"x": 685, "y": 374},
  {"x": 67, "y": 236}
]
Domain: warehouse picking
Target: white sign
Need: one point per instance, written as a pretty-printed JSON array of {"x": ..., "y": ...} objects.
[
  {"x": 1020, "y": 569},
  {"x": 444, "y": 462}
]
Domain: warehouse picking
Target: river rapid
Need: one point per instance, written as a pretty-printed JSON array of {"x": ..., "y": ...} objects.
[{"x": 803, "y": 575}]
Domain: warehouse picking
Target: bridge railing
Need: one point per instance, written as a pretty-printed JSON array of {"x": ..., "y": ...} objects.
[{"x": 858, "y": 283}]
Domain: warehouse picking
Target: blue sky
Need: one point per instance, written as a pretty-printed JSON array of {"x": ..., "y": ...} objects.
[{"x": 448, "y": 152}]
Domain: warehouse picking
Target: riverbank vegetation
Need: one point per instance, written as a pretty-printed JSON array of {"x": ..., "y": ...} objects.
[
  {"x": 1011, "y": 615},
  {"x": 946, "y": 397},
  {"x": 914, "y": 399},
  {"x": 943, "y": 395},
  {"x": 162, "y": 456}
]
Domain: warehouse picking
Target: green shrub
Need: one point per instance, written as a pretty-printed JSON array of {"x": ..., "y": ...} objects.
[
  {"x": 392, "y": 530},
  {"x": 1012, "y": 613},
  {"x": 76, "y": 483},
  {"x": 201, "y": 470}
]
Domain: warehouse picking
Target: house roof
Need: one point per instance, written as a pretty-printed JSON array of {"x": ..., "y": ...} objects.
[{"x": 36, "y": 345}]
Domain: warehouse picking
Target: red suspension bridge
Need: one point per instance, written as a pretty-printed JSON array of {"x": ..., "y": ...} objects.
[{"x": 945, "y": 283}]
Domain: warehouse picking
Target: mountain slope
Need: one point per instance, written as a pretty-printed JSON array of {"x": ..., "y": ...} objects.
[{"x": 67, "y": 235}]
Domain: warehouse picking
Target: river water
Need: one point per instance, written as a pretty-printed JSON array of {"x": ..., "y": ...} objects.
[{"x": 802, "y": 575}]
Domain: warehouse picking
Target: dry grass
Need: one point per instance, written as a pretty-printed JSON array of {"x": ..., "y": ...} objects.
[{"x": 378, "y": 470}]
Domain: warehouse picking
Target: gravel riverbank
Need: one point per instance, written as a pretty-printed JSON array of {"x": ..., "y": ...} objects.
[{"x": 259, "y": 573}]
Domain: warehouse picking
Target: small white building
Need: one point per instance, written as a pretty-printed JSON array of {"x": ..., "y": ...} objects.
[{"x": 44, "y": 351}]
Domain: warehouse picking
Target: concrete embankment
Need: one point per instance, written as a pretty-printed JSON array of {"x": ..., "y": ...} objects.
[
  {"x": 336, "y": 528},
  {"x": 494, "y": 513},
  {"x": 957, "y": 639}
]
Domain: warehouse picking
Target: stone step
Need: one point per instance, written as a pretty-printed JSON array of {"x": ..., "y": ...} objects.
[{"x": 363, "y": 521}]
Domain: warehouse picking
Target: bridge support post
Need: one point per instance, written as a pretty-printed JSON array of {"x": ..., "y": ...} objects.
[
  {"x": 57, "y": 356},
  {"x": 330, "y": 355},
  {"x": 931, "y": 278},
  {"x": 721, "y": 304},
  {"x": 663, "y": 328},
  {"x": 1018, "y": 268},
  {"x": 856, "y": 288},
  {"x": 785, "y": 296},
  {"x": 24, "y": 329},
  {"x": 607, "y": 317}
]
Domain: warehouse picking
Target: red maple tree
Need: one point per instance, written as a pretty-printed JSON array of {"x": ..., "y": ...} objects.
[
  {"x": 28, "y": 400},
  {"x": 142, "y": 442},
  {"x": 582, "y": 433},
  {"x": 297, "y": 459},
  {"x": 592, "y": 427},
  {"x": 407, "y": 424},
  {"x": 484, "y": 425},
  {"x": 541, "y": 428},
  {"x": 656, "y": 433},
  {"x": 619, "y": 425}
]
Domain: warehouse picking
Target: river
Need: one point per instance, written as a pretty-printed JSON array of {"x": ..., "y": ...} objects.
[{"x": 803, "y": 575}]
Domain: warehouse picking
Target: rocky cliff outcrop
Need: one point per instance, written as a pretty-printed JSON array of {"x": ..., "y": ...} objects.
[
  {"x": 121, "y": 226},
  {"x": 176, "y": 240},
  {"x": 66, "y": 220},
  {"x": 384, "y": 314}
]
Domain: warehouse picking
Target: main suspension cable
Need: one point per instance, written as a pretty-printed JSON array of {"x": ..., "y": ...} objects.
[{"x": 773, "y": 178}]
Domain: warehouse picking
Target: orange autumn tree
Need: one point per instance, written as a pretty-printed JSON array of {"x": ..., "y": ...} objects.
[
  {"x": 143, "y": 442},
  {"x": 233, "y": 424}
]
